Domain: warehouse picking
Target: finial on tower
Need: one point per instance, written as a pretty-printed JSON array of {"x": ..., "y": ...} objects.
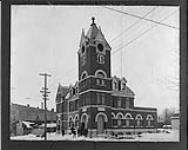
[{"x": 93, "y": 20}]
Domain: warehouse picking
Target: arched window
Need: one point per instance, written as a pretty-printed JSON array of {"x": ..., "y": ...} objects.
[
  {"x": 84, "y": 75},
  {"x": 128, "y": 117},
  {"x": 149, "y": 119},
  {"x": 84, "y": 120},
  {"x": 119, "y": 118},
  {"x": 100, "y": 74},
  {"x": 103, "y": 114},
  {"x": 100, "y": 59},
  {"x": 76, "y": 120},
  {"x": 138, "y": 119},
  {"x": 113, "y": 115}
]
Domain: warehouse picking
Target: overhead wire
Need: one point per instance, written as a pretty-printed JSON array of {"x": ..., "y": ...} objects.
[
  {"x": 146, "y": 19},
  {"x": 132, "y": 25},
  {"x": 140, "y": 35},
  {"x": 143, "y": 33}
]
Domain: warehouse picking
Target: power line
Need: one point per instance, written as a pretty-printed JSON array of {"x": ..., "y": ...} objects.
[
  {"x": 160, "y": 23},
  {"x": 140, "y": 35},
  {"x": 132, "y": 25}
]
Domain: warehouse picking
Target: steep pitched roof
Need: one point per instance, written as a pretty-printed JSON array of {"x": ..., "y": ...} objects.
[
  {"x": 92, "y": 32},
  {"x": 62, "y": 91}
]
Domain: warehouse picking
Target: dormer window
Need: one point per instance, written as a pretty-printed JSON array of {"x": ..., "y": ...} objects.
[
  {"x": 123, "y": 85},
  {"x": 115, "y": 85},
  {"x": 73, "y": 91}
]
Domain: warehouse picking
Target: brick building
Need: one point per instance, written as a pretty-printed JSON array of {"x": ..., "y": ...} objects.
[
  {"x": 28, "y": 113},
  {"x": 23, "y": 117},
  {"x": 99, "y": 102}
]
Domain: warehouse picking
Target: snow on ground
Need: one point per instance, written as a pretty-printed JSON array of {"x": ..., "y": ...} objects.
[{"x": 163, "y": 136}]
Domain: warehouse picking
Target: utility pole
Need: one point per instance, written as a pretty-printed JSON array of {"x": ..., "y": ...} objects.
[{"x": 45, "y": 95}]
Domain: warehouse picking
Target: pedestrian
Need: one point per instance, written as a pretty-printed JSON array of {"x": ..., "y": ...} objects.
[{"x": 73, "y": 131}]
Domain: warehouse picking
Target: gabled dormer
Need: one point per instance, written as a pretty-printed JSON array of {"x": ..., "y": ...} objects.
[{"x": 61, "y": 93}]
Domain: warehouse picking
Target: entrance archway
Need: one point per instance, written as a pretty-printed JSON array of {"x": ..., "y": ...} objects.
[
  {"x": 100, "y": 124},
  {"x": 84, "y": 121},
  {"x": 101, "y": 120}
]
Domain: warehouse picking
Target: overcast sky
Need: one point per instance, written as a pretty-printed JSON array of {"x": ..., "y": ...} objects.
[{"x": 46, "y": 39}]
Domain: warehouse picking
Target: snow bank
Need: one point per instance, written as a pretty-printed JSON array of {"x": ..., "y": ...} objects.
[{"x": 163, "y": 136}]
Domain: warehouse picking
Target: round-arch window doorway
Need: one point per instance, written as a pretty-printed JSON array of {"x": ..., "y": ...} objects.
[{"x": 100, "y": 47}]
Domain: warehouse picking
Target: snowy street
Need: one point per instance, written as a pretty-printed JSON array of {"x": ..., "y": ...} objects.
[{"x": 162, "y": 136}]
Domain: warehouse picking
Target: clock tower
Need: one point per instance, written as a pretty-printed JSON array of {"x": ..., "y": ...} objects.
[
  {"x": 95, "y": 82},
  {"x": 94, "y": 54}
]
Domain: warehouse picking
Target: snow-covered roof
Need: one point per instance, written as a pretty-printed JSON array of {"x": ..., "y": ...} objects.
[
  {"x": 28, "y": 124},
  {"x": 49, "y": 125}
]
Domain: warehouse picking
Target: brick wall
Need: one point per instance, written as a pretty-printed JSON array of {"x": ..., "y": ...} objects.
[{"x": 21, "y": 112}]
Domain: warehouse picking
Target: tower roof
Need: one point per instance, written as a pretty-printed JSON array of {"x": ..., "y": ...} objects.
[
  {"x": 94, "y": 33},
  {"x": 93, "y": 30}
]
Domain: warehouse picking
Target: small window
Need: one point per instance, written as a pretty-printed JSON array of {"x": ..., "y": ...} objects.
[
  {"x": 119, "y": 85},
  {"x": 83, "y": 49},
  {"x": 127, "y": 103},
  {"x": 100, "y": 82},
  {"x": 115, "y": 85},
  {"x": 119, "y": 103},
  {"x": 84, "y": 75},
  {"x": 100, "y": 75},
  {"x": 100, "y": 59},
  {"x": 103, "y": 98},
  {"x": 100, "y": 47},
  {"x": 123, "y": 86},
  {"x": 98, "y": 98},
  {"x": 83, "y": 60},
  {"x": 73, "y": 91}
]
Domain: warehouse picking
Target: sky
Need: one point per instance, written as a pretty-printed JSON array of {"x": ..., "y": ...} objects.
[{"x": 46, "y": 39}]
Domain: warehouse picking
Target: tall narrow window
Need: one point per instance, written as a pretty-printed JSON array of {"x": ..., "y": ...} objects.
[
  {"x": 149, "y": 119},
  {"x": 103, "y": 98},
  {"x": 119, "y": 119},
  {"x": 127, "y": 103},
  {"x": 138, "y": 120},
  {"x": 98, "y": 98},
  {"x": 119, "y": 103},
  {"x": 100, "y": 59},
  {"x": 128, "y": 117}
]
